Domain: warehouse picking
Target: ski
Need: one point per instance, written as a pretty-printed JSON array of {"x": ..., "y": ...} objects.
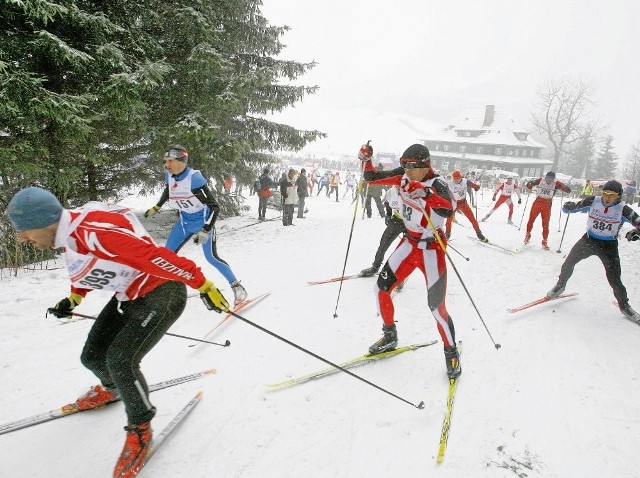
[
  {"x": 338, "y": 279},
  {"x": 446, "y": 423},
  {"x": 235, "y": 310},
  {"x": 70, "y": 408},
  {"x": 541, "y": 301},
  {"x": 158, "y": 441},
  {"x": 356, "y": 362},
  {"x": 493, "y": 245}
]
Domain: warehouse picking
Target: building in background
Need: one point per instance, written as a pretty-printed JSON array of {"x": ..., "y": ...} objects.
[{"x": 486, "y": 140}]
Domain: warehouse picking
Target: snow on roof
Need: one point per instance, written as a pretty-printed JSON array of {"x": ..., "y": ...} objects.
[
  {"x": 501, "y": 130},
  {"x": 487, "y": 157}
]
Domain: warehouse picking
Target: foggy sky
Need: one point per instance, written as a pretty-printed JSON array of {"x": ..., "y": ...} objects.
[{"x": 433, "y": 59}]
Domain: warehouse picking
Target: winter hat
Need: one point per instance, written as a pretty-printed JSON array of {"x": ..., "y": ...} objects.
[
  {"x": 177, "y": 151},
  {"x": 614, "y": 186},
  {"x": 416, "y": 153},
  {"x": 33, "y": 208},
  {"x": 550, "y": 174}
]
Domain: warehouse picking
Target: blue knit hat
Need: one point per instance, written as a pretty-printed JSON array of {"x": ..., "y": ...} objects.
[{"x": 33, "y": 208}]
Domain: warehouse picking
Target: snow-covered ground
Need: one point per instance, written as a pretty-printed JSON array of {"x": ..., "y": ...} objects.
[{"x": 559, "y": 399}]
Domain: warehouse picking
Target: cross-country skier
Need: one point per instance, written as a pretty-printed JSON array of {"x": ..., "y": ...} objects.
[
  {"x": 506, "y": 190},
  {"x": 107, "y": 248},
  {"x": 423, "y": 192},
  {"x": 188, "y": 192},
  {"x": 542, "y": 205},
  {"x": 458, "y": 187},
  {"x": 606, "y": 214}
]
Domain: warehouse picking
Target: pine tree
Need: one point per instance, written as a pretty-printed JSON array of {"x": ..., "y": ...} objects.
[{"x": 606, "y": 160}]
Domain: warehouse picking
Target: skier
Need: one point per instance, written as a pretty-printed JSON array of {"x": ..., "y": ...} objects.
[
  {"x": 542, "y": 205},
  {"x": 188, "y": 192},
  {"x": 507, "y": 188},
  {"x": 458, "y": 188},
  {"x": 395, "y": 227},
  {"x": 107, "y": 248},
  {"x": 607, "y": 213},
  {"x": 423, "y": 192}
]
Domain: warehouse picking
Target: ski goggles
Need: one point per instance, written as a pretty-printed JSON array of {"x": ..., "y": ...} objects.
[
  {"x": 416, "y": 164},
  {"x": 179, "y": 154},
  {"x": 610, "y": 194}
]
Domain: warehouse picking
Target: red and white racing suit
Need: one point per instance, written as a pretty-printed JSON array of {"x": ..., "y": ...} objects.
[{"x": 419, "y": 249}]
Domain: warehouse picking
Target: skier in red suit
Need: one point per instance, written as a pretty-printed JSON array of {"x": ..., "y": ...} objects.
[
  {"x": 542, "y": 205},
  {"x": 458, "y": 187},
  {"x": 507, "y": 188},
  {"x": 426, "y": 204}
]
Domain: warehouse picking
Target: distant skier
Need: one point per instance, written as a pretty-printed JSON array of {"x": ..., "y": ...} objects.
[
  {"x": 107, "y": 248},
  {"x": 506, "y": 190},
  {"x": 542, "y": 205},
  {"x": 421, "y": 191},
  {"x": 458, "y": 187},
  {"x": 188, "y": 192},
  {"x": 606, "y": 214}
]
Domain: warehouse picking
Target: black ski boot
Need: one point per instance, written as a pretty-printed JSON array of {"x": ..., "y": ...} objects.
[
  {"x": 629, "y": 313},
  {"x": 389, "y": 340},
  {"x": 452, "y": 359},
  {"x": 369, "y": 271},
  {"x": 556, "y": 291},
  {"x": 481, "y": 237}
]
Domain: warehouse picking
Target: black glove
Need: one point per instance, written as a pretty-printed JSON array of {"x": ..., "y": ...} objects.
[
  {"x": 519, "y": 201},
  {"x": 632, "y": 235},
  {"x": 569, "y": 206},
  {"x": 493, "y": 198},
  {"x": 65, "y": 306}
]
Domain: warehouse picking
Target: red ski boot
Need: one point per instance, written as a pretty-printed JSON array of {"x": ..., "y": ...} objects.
[{"x": 134, "y": 453}]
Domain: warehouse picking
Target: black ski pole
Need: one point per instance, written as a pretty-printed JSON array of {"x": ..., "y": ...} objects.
[
  {"x": 565, "y": 230},
  {"x": 437, "y": 236},
  {"x": 525, "y": 208},
  {"x": 353, "y": 222},
  {"x": 449, "y": 246},
  {"x": 419, "y": 406},
  {"x": 560, "y": 213},
  {"x": 83, "y": 316}
]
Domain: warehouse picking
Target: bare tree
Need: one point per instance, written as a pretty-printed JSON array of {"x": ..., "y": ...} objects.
[
  {"x": 563, "y": 106},
  {"x": 631, "y": 166}
]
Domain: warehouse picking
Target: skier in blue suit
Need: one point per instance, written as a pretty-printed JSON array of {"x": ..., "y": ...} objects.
[{"x": 188, "y": 192}]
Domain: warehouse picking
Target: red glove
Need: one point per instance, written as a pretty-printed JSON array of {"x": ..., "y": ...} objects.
[{"x": 417, "y": 190}]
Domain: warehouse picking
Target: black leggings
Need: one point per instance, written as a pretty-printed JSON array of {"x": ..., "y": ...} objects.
[
  {"x": 390, "y": 234},
  {"x": 123, "y": 334},
  {"x": 607, "y": 252}
]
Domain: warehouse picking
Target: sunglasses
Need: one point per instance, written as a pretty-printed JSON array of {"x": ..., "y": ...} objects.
[
  {"x": 417, "y": 165},
  {"x": 610, "y": 193}
]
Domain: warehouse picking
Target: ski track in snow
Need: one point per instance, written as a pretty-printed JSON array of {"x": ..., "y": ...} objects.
[{"x": 559, "y": 399}]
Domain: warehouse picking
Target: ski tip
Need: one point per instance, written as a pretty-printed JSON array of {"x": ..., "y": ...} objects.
[
  {"x": 210, "y": 371},
  {"x": 198, "y": 395}
]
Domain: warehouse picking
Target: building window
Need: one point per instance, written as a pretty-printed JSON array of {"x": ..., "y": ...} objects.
[
  {"x": 498, "y": 151},
  {"x": 446, "y": 147},
  {"x": 437, "y": 146},
  {"x": 532, "y": 153},
  {"x": 463, "y": 148},
  {"x": 515, "y": 170},
  {"x": 445, "y": 165},
  {"x": 510, "y": 152},
  {"x": 480, "y": 150},
  {"x": 517, "y": 151}
]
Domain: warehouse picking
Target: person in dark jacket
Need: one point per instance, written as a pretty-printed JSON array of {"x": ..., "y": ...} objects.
[
  {"x": 303, "y": 191},
  {"x": 606, "y": 214},
  {"x": 263, "y": 187}
]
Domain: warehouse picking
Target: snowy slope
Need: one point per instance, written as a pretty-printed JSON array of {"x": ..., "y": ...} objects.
[{"x": 559, "y": 399}]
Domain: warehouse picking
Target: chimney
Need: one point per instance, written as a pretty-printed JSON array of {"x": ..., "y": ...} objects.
[{"x": 489, "y": 112}]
